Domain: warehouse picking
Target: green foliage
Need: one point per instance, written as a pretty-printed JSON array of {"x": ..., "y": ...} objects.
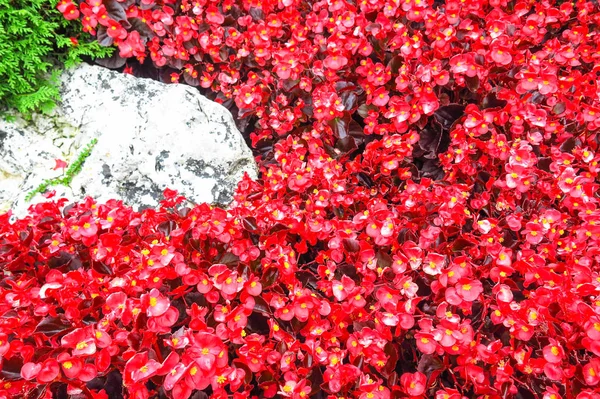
[
  {"x": 34, "y": 44},
  {"x": 67, "y": 178}
]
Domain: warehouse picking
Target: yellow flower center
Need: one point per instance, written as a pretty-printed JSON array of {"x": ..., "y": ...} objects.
[{"x": 81, "y": 345}]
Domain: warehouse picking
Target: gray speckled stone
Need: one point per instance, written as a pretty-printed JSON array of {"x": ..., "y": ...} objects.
[{"x": 150, "y": 136}]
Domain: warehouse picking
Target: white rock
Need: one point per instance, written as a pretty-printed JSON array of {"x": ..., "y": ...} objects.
[{"x": 150, "y": 136}]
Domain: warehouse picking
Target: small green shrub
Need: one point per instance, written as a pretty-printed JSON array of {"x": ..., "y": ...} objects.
[{"x": 35, "y": 43}]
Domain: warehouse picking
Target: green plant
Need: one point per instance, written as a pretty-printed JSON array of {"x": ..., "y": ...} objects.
[
  {"x": 68, "y": 176},
  {"x": 36, "y": 41}
]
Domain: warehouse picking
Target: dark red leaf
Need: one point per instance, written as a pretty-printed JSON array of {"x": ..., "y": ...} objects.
[
  {"x": 229, "y": 259},
  {"x": 261, "y": 306},
  {"x": 351, "y": 245},
  {"x": 11, "y": 368},
  {"x": 104, "y": 39},
  {"x": 448, "y": 114},
  {"x": 190, "y": 80},
  {"x": 363, "y": 110},
  {"x": 472, "y": 83},
  {"x": 384, "y": 260},
  {"x": 102, "y": 268},
  {"x": 50, "y": 326},
  {"x": 249, "y": 224},
  {"x": 115, "y": 61},
  {"x": 257, "y": 13},
  {"x": 269, "y": 277},
  {"x": 115, "y": 10},
  {"x": 559, "y": 108},
  {"x": 146, "y": 33},
  {"x": 167, "y": 227}
]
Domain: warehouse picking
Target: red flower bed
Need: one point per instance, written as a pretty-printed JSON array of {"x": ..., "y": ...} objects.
[{"x": 426, "y": 223}]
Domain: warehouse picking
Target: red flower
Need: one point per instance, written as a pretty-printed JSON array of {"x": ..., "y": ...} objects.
[
  {"x": 341, "y": 289},
  {"x": 426, "y": 343},
  {"x": 208, "y": 352},
  {"x": 154, "y": 303},
  {"x": 70, "y": 11},
  {"x": 335, "y": 62},
  {"x": 214, "y": 16},
  {"x": 469, "y": 290},
  {"x": 591, "y": 372},
  {"x": 60, "y": 164},
  {"x": 71, "y": 366},
  {"x": 535, "y": 233},
  {"x": 413, "y": 384},
  {"x": 48, "y": 372},
  {"x": 174, "y": 375},
  {"x": 553, "y": 352},
  {"x": 140, "y": 368},
  {"x": 380, "y": 97},
  {"x": 131, "y": 46},
  {"x": 81, "y": 340},
  {"x": 115, "y": 31},
  {"x": 30, "y": 370},
  {"x": 501, "y": 55},
  {"x": 433, "y": 264}
]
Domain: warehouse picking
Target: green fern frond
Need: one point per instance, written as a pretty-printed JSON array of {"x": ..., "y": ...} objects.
[
  {"x": 70, "y": 173},
  {"x": 34, "y": 44}
]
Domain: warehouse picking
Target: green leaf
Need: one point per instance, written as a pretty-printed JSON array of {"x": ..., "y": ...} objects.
[
  {"x": 71, "y": 172},
  {"x": 34, "y": 47}
]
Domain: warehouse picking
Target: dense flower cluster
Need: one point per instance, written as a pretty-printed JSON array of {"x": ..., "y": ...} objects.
[
  {"x": 297, "y": 64},
  {"x": 426, "y": 223}
]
